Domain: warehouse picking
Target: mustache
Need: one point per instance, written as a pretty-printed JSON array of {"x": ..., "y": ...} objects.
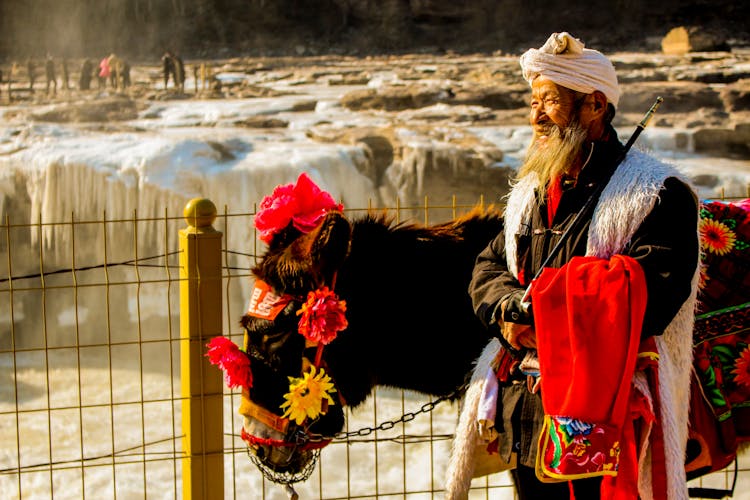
[{"x": 551, "y": 129}]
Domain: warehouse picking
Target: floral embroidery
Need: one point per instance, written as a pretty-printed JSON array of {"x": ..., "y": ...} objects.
[
  {"x": 716, "y": 237},
  {"x": 741, "y": 370},
  {"x": 724, "y": 238},
  {"x": 722, "y": 359},
  {"x": 570, "y": 448},
  {"x": 615, "y": 450},
  {"x": 573, "y": 427}
]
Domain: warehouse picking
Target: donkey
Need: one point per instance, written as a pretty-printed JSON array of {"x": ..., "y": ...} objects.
[{"x": 410, "y": 322}]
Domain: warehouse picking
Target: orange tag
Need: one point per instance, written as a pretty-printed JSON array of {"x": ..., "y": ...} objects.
[{"x": 264, "y": 303}]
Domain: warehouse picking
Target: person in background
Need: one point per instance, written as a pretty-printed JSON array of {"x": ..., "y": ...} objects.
[
  {"x": 126, "y": 74},
  {"x": 13, "y": 71},
  {"x": 117, "y": 68},
  {"x": 31, "y": 70},
  {"x": 584, "y": 414},
  {"x": 173, "y": 66},
  {"x": 179, "y": 73},
  {"x": 84, "y": 80},
  {"x": 168, "y": 68},
  {"x": 49, "y": 71},
  {"x": 104, "y": 73},
  {"x": 65, "y": 74}
]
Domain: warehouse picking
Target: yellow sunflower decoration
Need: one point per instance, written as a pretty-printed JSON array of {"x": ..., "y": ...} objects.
[{"x": 306, "y": 395}]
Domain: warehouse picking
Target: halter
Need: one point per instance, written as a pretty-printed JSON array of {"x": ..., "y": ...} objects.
[{"x": 266, "y": 304}]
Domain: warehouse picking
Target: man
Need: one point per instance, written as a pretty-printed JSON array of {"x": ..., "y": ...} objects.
[
  {"x": 633, "y": 256},
  {"x": 31, "y": 70},
  {"x": 173, "y": 66},
  {"x": 167, "y": 62},
  {"x": 49, "y": 72},
  {"x": 66, "y": 74},
  {"x": 179, "y": 73},
  {"x": 87, "y": 70}
]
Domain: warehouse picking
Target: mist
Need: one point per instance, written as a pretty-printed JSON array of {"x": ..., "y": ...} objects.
[{"x": 142, "y": 29}]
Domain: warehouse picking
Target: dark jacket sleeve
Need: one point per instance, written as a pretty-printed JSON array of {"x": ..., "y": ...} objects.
[
  {"x": 667, "y": 248},
  {"x": 491, "y": 281}
]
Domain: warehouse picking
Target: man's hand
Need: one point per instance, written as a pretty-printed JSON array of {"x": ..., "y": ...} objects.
[{"x": 517, "y": 335}]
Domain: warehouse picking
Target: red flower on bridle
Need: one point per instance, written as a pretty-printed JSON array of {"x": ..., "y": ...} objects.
[
  {"x": 323, "y": 316},
  {"x": 235, "y": 364},
  {"x": 303, "y": 204}
]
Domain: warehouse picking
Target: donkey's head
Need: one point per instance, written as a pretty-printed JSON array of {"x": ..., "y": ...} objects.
[{"x": 292, "y": 408}]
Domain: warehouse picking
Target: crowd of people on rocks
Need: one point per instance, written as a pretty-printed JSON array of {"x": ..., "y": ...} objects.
[{"x": 110, "y": 72}]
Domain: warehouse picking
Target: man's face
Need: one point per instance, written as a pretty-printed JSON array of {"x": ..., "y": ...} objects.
[{"x": 551, "y": 105}]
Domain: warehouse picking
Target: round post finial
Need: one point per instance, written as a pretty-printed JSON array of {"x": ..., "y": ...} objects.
[{"x": 200, "y": 214}]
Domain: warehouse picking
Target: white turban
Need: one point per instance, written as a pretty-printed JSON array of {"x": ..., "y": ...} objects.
[{"x": 564, "y": 60}]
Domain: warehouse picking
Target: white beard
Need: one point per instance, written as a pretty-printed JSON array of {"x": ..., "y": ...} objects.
[{"x": 554, "y": 154}]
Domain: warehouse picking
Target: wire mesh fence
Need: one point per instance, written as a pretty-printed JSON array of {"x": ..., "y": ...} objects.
[{"x": 90, "y": 399}]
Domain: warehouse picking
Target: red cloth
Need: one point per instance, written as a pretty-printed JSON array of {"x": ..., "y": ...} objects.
[
  {"x": 554, "y": 193},
  {"x": 588, "y": 317}
]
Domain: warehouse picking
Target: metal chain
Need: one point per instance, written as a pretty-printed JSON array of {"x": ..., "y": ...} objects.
[{"x": 388, "y": 424}]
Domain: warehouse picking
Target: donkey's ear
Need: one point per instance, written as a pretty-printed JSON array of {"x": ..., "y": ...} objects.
[{"x": 331, "y": 244}]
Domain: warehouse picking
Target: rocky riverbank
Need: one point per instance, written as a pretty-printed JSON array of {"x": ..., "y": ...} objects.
[
  {"x": 419, "y": 112},
  {"x": 707, "y": 90}
]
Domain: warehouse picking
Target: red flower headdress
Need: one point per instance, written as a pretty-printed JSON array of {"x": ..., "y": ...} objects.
[{"x": 303, "y": 204}]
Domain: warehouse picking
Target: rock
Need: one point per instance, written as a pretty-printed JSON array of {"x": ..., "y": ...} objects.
[
  {"x": 724, "y": 142},
  {"x": 736, "y": 97},
  {"x": 394, "y": 97},
  {"x": 262, "y": 122},
  {"x": 681, "y": 40},
  {"x": 103, "y": 110},
  {"x": 492, "y": 96},
  {"x": 679, "y": 97}
]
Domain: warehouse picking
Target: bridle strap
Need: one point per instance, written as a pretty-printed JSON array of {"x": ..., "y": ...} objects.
[
  {"x": 257, "y": 441},
  {"x": 264, "y": 303},
  {"x": 306, "y": 363},
  {"x": 250, "y": 409}
]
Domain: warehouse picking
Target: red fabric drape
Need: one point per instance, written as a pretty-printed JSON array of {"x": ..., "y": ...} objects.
[{"x": 588, "y": 316}]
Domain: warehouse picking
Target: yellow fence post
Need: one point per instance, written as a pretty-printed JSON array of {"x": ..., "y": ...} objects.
[{"x": 202, "y": 383}]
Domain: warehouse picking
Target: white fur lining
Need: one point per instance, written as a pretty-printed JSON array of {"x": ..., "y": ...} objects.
[
  {"x": 462, "y": 460},
  {"x": 519, "y": 202}
]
